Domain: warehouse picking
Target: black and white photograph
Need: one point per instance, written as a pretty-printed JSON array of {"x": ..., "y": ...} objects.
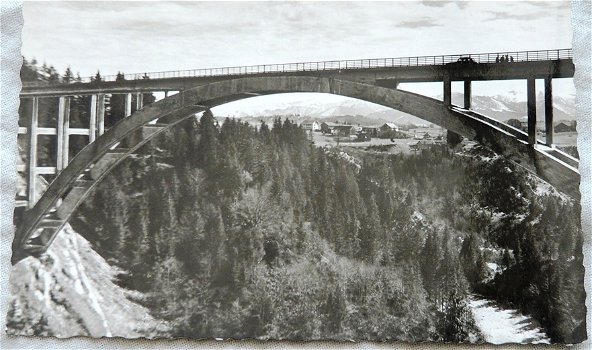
[{"x": 401, "y": 171}]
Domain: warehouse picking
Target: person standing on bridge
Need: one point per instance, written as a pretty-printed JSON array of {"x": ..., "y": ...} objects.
[
  {"x": 512, "y": 59},
  {"x": 497, "y": 59}
]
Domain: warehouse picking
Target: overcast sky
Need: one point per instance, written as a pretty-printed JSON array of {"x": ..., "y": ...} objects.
[{"x": 156, "y": 36}]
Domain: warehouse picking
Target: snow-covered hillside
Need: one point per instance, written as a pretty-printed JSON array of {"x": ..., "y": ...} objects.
[{"x": 69, "y": 292}]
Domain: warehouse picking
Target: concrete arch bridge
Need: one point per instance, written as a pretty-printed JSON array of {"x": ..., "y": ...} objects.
[{"x": 369, "y": 80}]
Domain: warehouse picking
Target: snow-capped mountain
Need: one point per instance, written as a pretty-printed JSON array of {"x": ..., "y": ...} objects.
[
  {"x": 509, "y": 107},
  {"x": 311, "y": 105},
  {"x": 328, "y": 107}
]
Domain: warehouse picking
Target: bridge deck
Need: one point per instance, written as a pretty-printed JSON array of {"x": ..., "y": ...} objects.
[{"x": 387, "y": 72}]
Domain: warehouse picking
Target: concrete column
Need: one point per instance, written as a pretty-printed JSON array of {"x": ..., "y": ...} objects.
[
  {"x": 139, "y": 101},
  {"x": 101, "y": 114},
  {"x": 531, "y": 105},
  {"x": 32, "y": 169},
  {"x": 66, "y": 136},
  {"x": 128, "y": 104},
  {"x": 447, "y": 91},
  {"x": 548, "y": 111},
  {"x": 467, "y": 94},
  {"x": 92, "y": 123},
  {"x": 60, "y": 134}
]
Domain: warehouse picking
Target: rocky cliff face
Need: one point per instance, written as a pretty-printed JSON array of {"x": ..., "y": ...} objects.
[{"x": 70, "y": 291}]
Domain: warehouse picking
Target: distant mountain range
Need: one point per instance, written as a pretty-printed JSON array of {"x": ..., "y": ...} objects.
[{"x": 361, "y": 112}]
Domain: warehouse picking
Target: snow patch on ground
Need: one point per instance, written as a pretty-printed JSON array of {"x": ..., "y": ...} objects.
[
  {"x": 500, "y": 326},
  {"x": 543, "y": 188},
  {"x": 493, "y": 266}
]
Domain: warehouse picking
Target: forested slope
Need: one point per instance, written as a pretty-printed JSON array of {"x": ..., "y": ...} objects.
[{"x": 238, "y": 232}]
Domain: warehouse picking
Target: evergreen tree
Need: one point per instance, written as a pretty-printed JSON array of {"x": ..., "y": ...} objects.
[
  {"x": 453, "y": 139},
  {"x": 68, "y": 76},
  {"x": 430, "y": 263},
  {"x": 369, "y": 231},
  {"x": 206, "y": 154}
]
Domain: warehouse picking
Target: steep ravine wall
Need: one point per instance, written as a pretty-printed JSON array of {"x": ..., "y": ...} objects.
[{"x": 70, "y": 291}]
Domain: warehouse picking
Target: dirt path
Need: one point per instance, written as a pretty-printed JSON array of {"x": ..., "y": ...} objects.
[{"x": 501, "y": 326}]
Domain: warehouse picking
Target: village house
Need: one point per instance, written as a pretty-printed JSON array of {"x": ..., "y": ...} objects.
[
  {"x": 386, "y": 127},
  {"x": 311, "y": 125},
  {"x": 328, "y": 127},
  {"x": 422, "y": 144},
  {"x": 371, "y": 130},
  {"x": 563, "y": 127},
  {"x": 344, "y": 130},
  {"x": 523, "y": 124}
]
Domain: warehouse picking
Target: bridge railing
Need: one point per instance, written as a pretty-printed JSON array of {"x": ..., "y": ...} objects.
[{"x": 494, "y": 57}]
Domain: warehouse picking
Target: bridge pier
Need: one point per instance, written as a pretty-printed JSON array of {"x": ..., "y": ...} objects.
[
  {"x": 139, "y": 101},
  {"x": 128, "y": 104},
  {"x": 63, "y": 133},
  {"x": 101, "y": 114},
  {"x": 447, "y": 91},
  {"x": 32, "y": 169},
  {"x": 467, "y": 94},
  {"x": 92, "y": 123},
  {"x": 531, "y": 106},
  {"x": 548, "y": 111}
]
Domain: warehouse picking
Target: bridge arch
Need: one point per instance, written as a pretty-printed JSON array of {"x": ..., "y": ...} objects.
[{"x": 40, "y": 224}]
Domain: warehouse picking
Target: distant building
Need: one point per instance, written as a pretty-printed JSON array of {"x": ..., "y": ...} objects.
[
  {"x": 563, "y": 127},
  {"x": 344, "y": 130},
  {"x": 515, "y": 123},
  {"x": 389, "y": 127},
  {"x": 311, "y": 125},
  {"x": 422, "y": 144},
  {"x": 328, "y": 127},
  {"x": 371, "y": 130}
]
